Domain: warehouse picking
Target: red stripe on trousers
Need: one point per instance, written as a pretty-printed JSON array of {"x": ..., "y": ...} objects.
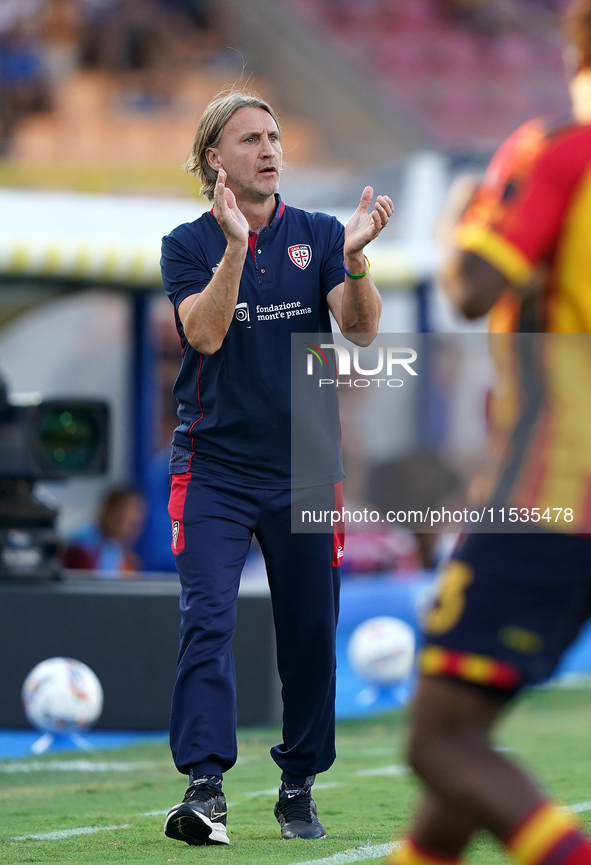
[
  {"x": 176, "y": 508},
  {"x": 338, "y": 543}
]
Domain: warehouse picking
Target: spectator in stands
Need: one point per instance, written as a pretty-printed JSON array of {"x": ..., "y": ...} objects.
[
  {"x": 23, "y": 83},
  {"x": 145, "y": 41},
  {"x": 61, "y": 22},
  {"x": 107, "y": 547}
]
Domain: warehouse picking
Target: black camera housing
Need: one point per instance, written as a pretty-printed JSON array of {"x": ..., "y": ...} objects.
[
  {"x": 53, "y": 439},
  {"x": 42, "y": 440}
]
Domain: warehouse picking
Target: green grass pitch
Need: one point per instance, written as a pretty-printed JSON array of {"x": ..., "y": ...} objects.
[{"x": 365, "y": 799}]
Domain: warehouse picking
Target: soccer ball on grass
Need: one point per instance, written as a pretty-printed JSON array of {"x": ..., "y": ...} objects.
[
  {"x": 381, "y": 650},
  {"x": 62, "y": 696}
]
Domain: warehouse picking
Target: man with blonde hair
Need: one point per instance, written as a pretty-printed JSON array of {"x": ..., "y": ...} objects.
[{"x": 242, "y": 279}]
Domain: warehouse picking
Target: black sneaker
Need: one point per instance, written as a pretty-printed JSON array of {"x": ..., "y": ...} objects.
[
  {"x": 201, "y": 817},
  {"x": 296, "y": 813}
]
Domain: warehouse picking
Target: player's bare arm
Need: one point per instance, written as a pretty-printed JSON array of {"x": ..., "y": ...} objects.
[
  {"x": 356, "y": 303},
  {"x": 472, "y": 284},
  {"x": 207, "y": 316}
]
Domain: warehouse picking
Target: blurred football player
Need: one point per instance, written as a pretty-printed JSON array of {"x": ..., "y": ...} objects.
[{"x": 510, "y": 604}]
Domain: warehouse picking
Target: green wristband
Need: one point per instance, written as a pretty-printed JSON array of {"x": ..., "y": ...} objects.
[{"x": 357, "y": 275}]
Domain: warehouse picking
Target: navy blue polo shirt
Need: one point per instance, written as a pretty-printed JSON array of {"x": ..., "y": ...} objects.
[{"x": 235, "y": 405}]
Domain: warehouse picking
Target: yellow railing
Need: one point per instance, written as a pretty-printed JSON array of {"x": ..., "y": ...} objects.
[{"x": 129, "y": 179}]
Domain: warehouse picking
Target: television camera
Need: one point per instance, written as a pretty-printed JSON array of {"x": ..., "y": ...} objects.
[{"x": 42, "y": 439}]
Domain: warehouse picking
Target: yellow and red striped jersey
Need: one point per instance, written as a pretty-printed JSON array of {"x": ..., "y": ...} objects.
[
  {"x": 531, "y": 219},
  {"x": 533, "y": 211}
]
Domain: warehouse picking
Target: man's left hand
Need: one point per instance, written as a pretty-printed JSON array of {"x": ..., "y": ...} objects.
[{"x": 363, "y": 227}]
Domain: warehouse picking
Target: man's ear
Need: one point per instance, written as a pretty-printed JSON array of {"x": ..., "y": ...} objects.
[{"x": 213, "y": 158}]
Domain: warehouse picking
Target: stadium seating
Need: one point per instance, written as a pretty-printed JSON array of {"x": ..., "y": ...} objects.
[
  {"x": 469, "y": 80},
  {"x": 93, "y": 122},
  {"x": 117, "y": 122}
]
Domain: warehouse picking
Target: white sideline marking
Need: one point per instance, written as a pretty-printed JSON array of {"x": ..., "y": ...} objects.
[
  {"x": 578, "y": 807},
  {"x": 385, "y": 770},
  {"x": 271, "y": 791},
  {"x": 356, "y": 855},
  {"x": 72, "y": 766},
  {"x": 59, "y": 834},
  {"x": 161, "y": 811},
  {"x": 323, "y": 785}
]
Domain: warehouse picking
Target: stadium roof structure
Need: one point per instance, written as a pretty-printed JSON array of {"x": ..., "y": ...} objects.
[
  {"x": 86, "y": 237},
  {"x": 116, "y": 239}
]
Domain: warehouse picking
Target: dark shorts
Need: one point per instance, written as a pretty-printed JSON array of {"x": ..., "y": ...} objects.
[{"x": 507, "y": 608}]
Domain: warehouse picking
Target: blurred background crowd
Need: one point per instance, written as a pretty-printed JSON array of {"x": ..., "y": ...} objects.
[
  {"x": 120, "y": 83},
  {"x": 104, "y": 94}
]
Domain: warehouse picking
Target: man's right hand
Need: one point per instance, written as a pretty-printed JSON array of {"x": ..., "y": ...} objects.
[
  {"x": 230, "y": 219},
  {"x": 207, "y": 316}
]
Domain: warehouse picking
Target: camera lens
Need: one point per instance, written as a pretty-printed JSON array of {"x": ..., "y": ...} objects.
[{"x": 69, "y": 438}]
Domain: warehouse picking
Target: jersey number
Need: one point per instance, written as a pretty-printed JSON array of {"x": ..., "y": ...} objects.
[{"x": 451, "y": 599}]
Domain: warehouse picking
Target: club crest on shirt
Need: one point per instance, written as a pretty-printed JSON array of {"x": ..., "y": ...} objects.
[{"x": 300, "y": 254}]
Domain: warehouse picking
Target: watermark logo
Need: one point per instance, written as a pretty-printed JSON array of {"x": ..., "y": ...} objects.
[
  {"x": 391, "y": 359},
  {"x": 300, "y": 254},
  {"x": 315, "y": 351}
]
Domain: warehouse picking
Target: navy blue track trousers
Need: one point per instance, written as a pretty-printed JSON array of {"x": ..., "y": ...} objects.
[{"x": 213, "y": 522}]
